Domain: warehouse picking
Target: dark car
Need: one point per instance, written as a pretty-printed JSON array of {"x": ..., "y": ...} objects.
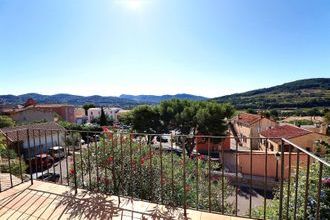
[
  {"x": 51, "y": 177},
  {"x": 41, "y": 162},
  {"x": 162, "y": 139}
]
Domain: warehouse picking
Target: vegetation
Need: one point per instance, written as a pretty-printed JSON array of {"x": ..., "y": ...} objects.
[
  {"x": 301, "y": 122},
  {"x": 182, "y": 116},
  {"x": 298, "y": 94},
  {"x": 88, "y": 106},
  {"x": 272, "y": 211},
  {"x": 327, "y": 118},
  {"x": 85, "y": 130},
  {"x": 8, "y": 154},
  {"x": 6, "y": 121},
  {"x": 124, "y": 101},
  {"x": 128, "y": 167}
]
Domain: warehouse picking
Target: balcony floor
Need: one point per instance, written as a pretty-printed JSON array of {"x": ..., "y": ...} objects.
[{"x": 44, "y": 200}]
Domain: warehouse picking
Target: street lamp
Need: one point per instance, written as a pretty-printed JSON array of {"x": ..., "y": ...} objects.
[{"x": 278, "y": 157}]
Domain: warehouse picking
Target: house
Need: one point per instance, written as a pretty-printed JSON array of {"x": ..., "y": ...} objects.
[
  {"x": 30, "y": 114},
  {"x": 215, "y": 146},
  {"x": 94, "y": 113},
  {"x": 66, "y": 112},
  {"x": 299, "y": 136},
  {"x": 245, "y": 127},
  {"x": 32, "y": 139},
  {"x": 80, "y": 116}
]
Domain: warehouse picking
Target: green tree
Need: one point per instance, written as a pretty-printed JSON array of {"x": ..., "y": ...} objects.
[
  {"x": 6, "y": 121},
  {"x": 190, "y": 117},
  {"x": 314, "y": 112},
  {"x": 88, "y": 106},
  {"x": 211, "y": 117},
  {"x": 327, "y": 118},
  {"x": 103, "y": 118},
  {"x": 146, "y": 119},
  {"x": 251, "y": 111},
  {"x": 274, "y": 114}
]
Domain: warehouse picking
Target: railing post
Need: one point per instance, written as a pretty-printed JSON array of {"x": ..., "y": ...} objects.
[
  {"x": 74, "y": 165},
  {"x": 9, "y": 163},
  {"x": 319, "y": 191},
  {"x": 281, "y": 186},
  {"x": 184, "y": 180},
  {"x": 29, "y": 153}
]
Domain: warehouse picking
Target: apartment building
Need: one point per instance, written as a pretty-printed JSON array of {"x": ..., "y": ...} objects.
[{"x": 246, "y": 126}]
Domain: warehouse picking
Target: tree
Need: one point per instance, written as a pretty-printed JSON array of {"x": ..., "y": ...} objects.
[
  {"x": 6, "y": 121},
  {"x": 210, "y": 118},
  {"x": 191, "y": 117},
  {"x": 251, "y": 111},
  {"x": 274, "y": 114},
  {"x": 327, "y": 118},
  {"x": 146, "y": 119},
  {"x": 103, "y": 118},
  {"x": 88, "y": 106}
]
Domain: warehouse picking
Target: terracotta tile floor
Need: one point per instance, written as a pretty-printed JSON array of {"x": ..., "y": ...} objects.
[{"x": 50, "y": 201}]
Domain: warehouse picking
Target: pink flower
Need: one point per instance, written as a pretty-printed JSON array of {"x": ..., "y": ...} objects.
[{"x": 110, "y": 160}]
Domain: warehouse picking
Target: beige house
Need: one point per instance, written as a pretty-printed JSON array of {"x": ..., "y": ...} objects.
[
  {"x": 247, "y": 126},
  {"x": 31, "y": 114},
  {"x": 299, "y": 136},
  {"x": 29, "y": 140}
]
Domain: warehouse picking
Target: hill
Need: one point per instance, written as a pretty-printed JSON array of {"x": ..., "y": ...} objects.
[
  {"x": 157, "y": 99},
  {"x": 124, "y": 101},
  {"x": 298, "y": 94},
  {"x": 68, "y": 99}
]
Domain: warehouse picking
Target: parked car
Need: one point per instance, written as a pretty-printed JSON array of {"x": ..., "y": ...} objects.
[
  {"x": 51, "y": 177},
  {"x": 57, "y": 152},
  {"x": 41, "y": 162},
  {"x": 163, "y": 139}
]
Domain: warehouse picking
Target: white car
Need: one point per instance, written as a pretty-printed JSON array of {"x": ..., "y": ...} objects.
[{"x": 57, "y": 152}]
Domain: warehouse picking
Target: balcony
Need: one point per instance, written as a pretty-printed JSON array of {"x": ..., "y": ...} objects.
[{"x": 104, "y": 175}]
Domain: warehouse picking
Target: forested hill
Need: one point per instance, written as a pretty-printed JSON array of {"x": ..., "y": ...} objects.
[
  {"x": 124, "y": 101},
  {"x": 298, "y": 94}
]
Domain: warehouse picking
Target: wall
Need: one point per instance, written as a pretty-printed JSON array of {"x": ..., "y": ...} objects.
[
  {"x": 33, "y": 115},
  {"x": 308, "y": 141},
  {"x": 262, "y": 125},
  {"x": 202, "y": 145},
  {"x": 259, "y": 163},
  {"x": 42, "y": 144},
  {"x": 243, "y": 131}
]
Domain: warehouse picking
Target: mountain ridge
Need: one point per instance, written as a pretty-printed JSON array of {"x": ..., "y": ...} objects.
[
  {"x": 305, "y": 93},
  {"x": 125, "y": 101}
]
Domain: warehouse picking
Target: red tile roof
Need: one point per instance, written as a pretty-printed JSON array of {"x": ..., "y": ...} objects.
[
  {"x": 285, "y": 131},
  {"x": 248, "y": 119}
]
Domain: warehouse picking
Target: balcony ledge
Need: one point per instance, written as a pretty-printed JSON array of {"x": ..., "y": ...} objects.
[{"x": 44, "y": 200}]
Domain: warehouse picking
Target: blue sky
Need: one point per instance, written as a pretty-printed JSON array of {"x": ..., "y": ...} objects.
[{"x": 203, "y": 47}]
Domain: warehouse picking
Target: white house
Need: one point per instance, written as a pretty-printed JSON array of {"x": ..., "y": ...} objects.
[
  {"x": 32, "y": 139},
  {"x": 93, "y": 113}
]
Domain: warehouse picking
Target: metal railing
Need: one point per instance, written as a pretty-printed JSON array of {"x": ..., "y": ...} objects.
[{"x": 207, "y": 173}]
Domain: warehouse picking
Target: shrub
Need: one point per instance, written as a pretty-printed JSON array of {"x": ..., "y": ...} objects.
[
  {"x": 128, "y": 168},
  {"x": 16, "y": 168}
]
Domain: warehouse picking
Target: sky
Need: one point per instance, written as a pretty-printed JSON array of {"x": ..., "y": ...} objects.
[{"x": 203, "y": 47}]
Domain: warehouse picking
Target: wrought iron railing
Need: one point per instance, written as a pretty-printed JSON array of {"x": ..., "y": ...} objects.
[{"x": 207, "y": 173}]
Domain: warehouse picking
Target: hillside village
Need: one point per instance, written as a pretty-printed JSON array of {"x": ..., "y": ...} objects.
[
  {"x": 246, "y": 132},
  {"x": 252, "y": 146}
]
